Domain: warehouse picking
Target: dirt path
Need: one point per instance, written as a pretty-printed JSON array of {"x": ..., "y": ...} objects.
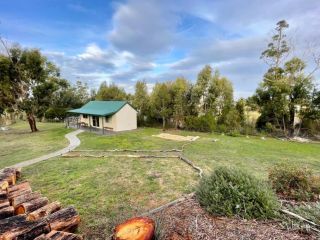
[{"x": 74, "y": 142}]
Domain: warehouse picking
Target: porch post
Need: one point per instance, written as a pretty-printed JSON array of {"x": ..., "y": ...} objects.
[
  {"x": 102, "y": 119},
  {"x": 89, "y": 123}
]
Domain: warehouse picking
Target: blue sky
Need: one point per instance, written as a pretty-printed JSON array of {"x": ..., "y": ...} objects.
[{"x": 159, "y": 40}]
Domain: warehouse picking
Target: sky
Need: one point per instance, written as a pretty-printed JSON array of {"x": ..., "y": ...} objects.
[{"x": 159, "y": 40}]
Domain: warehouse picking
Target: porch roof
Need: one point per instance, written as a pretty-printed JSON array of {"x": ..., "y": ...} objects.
[{"x": 100, "y": 108}]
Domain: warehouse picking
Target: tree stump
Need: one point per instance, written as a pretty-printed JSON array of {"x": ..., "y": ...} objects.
[{"x": 140, "y": 228}]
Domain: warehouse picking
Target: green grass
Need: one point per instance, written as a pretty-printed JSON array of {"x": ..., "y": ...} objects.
[
  {"x": 252, "y": 154},
  {"x": 103, "y": 189},
  {"x": 18, "y": 144}
]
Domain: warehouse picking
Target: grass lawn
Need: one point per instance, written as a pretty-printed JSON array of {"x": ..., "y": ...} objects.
[
  {"x": 18, "y": 144},
  {"x": 102, "y": 189}
]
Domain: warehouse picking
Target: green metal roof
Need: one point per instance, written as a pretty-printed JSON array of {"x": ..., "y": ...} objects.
[{"x": 100, "y": 108}]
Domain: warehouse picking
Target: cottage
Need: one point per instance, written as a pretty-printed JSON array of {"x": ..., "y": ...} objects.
[{"x": 107, "y": 115}]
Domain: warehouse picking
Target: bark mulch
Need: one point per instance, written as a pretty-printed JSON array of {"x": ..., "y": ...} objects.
[{"x": 188, "y": 221}]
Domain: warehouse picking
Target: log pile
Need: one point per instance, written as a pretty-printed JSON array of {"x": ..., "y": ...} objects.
[{"x": 28, "y": 215}]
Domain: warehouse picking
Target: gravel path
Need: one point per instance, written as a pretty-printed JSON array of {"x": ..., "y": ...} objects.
[{"x": 74, "y": 142}]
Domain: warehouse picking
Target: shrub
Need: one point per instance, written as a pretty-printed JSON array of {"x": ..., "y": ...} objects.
[
  {"x": 231, "y": 192},
  {"x": 294, "y": 182},
  {"x": 205, "y": 123}
]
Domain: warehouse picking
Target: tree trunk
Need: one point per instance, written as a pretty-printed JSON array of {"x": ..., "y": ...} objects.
[
  {"x": 64, "y": 220},
  {"x": 44, "y": 211},
  {"x": 32, "y": 122},
  {"x": 291, "y": 120},
  {"x": 163, "y": 123}
]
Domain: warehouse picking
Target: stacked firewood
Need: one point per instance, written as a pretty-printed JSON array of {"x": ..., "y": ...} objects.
[{"x": 25, "y": 214}]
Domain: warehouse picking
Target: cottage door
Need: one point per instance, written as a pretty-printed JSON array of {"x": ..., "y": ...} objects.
[{"x": 95, "y": 121}]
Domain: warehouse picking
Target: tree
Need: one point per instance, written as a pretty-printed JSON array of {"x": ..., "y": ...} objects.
[
  {"x": 110, "y": 92},
  {"x": 29, "y": 82},
  {"x": 141, "y": 100},
  {"x": 220, "y": 95},
  {"x": 179, "y": 90},
  {"x": 278, "y": 48},
  {"x": 200, "y": 89},
  {"x": 240, "y": 108},
  {"x": 285, "y": 87},
  {"x": 161, "y": 101}
]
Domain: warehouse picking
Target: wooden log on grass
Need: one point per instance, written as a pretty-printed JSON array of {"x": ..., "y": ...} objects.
[
  {"x": 6, "y": 212},
  {"x": 66, "y": 219},
  {"x": 18, "y": 193},
  {"x": 58, "y": 235},
  {"x": 9, "y": 177},
  {"x": 44, "y": 211},
  {"x": 31, "y": 206},
  {"x": 9, "y": 223},
  {"x": 24, "y": 198},
  {"x": 18, "y": 190},
  {"x": 23, "y": 230},
  {"x": 4, "y": 204},
  {"x": 35, "y": 230},
  {"x": 19, "y": 187}
]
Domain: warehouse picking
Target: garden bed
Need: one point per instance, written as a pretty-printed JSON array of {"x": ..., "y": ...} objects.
[{"x": 187, "y": 220}]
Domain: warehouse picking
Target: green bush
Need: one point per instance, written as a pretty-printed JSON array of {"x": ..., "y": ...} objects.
[
  {"x": 205, "y": 123},
  {"x": 294, "y": 182},
  {"x": 231, "y": 192}
]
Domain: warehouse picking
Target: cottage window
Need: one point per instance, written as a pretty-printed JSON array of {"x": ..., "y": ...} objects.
[
  {"x": 85, "y": 116},
  {"x": 108, "y": 119}
]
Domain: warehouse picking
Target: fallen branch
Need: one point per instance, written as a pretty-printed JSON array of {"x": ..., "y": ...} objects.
[
  {"x": 169, "y": 204},
  {"x": 127, "y": 150},
  {"x": 301, "y": 219},
  {"x": 186, "y": 160},
  {"x": 120, "y": 155}
]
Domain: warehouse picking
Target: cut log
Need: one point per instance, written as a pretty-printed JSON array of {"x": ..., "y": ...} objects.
[
  {"x": 24, "y": 198},
  {"x": 9, "y": 175},
  {"x": 4, "y": 185},
  {"x": 58, "y": 235},
  {"x": 31, "y": 206},
  {"x": 18, "y": 190},
  {"x": 6, "y": 212},
  {"x": 34, "y": 231},
  {"x": 11, "y": 222},
  {"x": 66, "y": 219},
  {"x": 19, "y": 187},
  {"x": 18, "y": 193},
  {"x": 3, "y": 195},
  {"x": 140, "y": 228},
  {"x": 23, "y": 230},
  {"x": 44, "y": 211},
  {"x": 4, "y": 204}
]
